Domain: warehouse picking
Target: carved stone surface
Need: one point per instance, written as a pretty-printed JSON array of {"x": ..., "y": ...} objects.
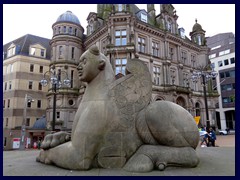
[{"x": 117, "y": 127}]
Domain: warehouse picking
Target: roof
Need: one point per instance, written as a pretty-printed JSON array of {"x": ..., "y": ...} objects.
[
  {"x": 68, "y": 16},
  {"x": 40, "y": 123},
  {"x": 23, "y": 43},
  {"x": 197, "y": 27}
]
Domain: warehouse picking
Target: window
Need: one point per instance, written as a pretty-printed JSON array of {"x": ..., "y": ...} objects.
[
  {"x": 227, "y": 87},
  {"x": 120, "y": 7},
  {"x": 141, "y": 44},
  {"x": 193, "y": 60},
  {"x": 72, "y": 52},
  {"x": 227, "y": 100},
  {"x": 197, "y": 107},
  {"x": 8, "y": 105},
  {"x": 226, "y": 62},
  {"x": 212, "y": 56},
  {"x": 60, "y": 50},
  {"x": 169, "y": 26},
  {"x": 120, "y": 37},
  {"x": 156, "y": 75},
  {"x": 5, "y": 141},
  {"x": 64, "y": 29},
  {"x": 31, "y": 67},
  {"x": 184, "y": 57},
  {"x": 59, "y": 30},
  {"x": 10, "y": 85},
  {"x": 171, "y": 53},
  {"x": 232, "y": 73},
  {"x": 11, "y": 51},
  {"x": 155, "y": 49},
  {"x": 5, "y": 86},
  {"x": 42, "y": 52},
  {"x": 33, "y": 51},
  {"x": 41, "y": 69},
  {"x": 11, "y": 67},
  {"x": 6, "y": 122},
  {"x": 199, "y": 40},
  {"x": 144, "y": 17},
  {"x": 172, "y": 76},
  {"x": 70, "y": 30},
  {"x": 39, "y": 86},
  {"x": 72, "y": 75},
  {"x": 220, "y": 64},
  {"x": 224, "y": 52},
  {"x": 185, "y": 80},
  {"x": 4, "y": 103},
  {"x": 227, "y": 74},
  {"x": 28, "y": 122},
  {"x": 120, "y": 66},
  {"x": 58, "y": 115},
  {"x": 222, "y": 75},
  {"x": 75, "y": 32},
  {"x": 39, "y": 102},
  {"x": 232, "y": 60},
  {"x": 30, "y": 85},
  {"x": 29, "y": 104}
]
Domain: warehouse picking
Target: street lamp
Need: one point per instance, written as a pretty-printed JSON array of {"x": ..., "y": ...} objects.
[
  {"x": 205, "y": 76},
  {"x": 28, "y": 99},
  {"x": 55, "y": 78}
]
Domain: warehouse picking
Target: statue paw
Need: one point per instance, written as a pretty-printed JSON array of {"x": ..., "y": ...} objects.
[
  {"x": 43, "y": 157},
  {"x": 53, "y": 140},
  {"x": 139, "y": 163}
]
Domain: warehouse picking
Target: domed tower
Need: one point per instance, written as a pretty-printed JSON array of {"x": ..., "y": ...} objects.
[
  {"x": 198, "y": 34},
  {"x": 66, "y": 49}
]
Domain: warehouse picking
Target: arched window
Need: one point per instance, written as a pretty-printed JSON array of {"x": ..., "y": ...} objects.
[
  {"x": 181, "y": 102},
  {"x": 197, "y": 109}
]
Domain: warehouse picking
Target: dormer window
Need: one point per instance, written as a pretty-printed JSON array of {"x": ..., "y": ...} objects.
[
  {"x": 32, "y": 52},
  {"x": 37, "y": 50},
  {"x": 11, "y": 50},
  {"x": 144, "y": 17}
]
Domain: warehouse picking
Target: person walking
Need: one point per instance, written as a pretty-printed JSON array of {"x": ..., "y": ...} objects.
[{"x": 212, "y": 136}]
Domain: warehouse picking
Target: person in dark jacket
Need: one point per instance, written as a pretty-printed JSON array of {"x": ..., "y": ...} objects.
[{"x": 213, "y": 137}]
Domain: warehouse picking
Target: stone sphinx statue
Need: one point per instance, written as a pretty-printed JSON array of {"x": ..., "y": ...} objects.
[{"x": 116, "y": 126}]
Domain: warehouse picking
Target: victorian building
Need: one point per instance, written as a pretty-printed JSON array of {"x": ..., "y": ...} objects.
[
  {"x": 222, "y": 56},
  {"x": 123, "y": 32},
  {"x": 24, "y": 62}
]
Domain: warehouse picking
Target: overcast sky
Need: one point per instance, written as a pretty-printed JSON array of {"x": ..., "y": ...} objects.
[{"x": 37, "y": 19}]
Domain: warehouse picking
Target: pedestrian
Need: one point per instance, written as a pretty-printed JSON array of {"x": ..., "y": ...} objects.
[
  {"x": 39, "y": 144},
  {"x": 212, "y": 136},
  {"x": 205, "y": 140}
]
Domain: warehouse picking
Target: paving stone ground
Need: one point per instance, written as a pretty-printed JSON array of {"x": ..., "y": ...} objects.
[{"x": 214, "y": 161}]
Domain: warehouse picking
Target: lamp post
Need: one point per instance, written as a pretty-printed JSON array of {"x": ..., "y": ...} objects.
[
  {"x": 55, "y": 78},
  {"x": 28, "y": 99},
  {"x": 205, "y": 76}
]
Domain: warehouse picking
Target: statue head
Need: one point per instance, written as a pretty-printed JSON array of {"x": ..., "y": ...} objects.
[{"x": 91, "y": 63}]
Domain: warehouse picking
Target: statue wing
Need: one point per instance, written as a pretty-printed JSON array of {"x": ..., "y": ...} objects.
[{"x": 131, "y": 93}]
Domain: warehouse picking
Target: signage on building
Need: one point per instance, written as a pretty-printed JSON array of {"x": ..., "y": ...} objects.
[
  {"x": 16, "y": 143},
  {"x": 197, "y": 119}
]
